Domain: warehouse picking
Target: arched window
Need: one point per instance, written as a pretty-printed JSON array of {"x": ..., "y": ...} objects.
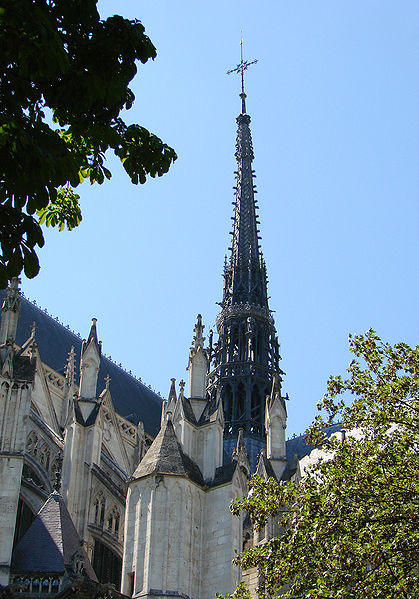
[
  {"x": 113, "y": 520},
  {"x": 99, "y": 505}
]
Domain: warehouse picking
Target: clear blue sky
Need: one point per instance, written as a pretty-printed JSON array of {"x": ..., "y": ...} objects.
[{"x": 333, "y": 123}]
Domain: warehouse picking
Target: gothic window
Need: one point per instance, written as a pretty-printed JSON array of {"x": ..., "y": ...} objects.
[
  {"x": 99, "y": 505},
  {"x": 113, "y": 520}
]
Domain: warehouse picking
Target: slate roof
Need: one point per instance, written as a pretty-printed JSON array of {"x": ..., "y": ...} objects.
[
  {"x": 265, "y": 463},
  {"x": 210, "y": 408},
  {"x": 298, "y": 445},
  {"x": 224, "y": 474},
  {"x": 50, "y": 542},
  {"x": 130, "y": 396},
  {"x": 166, "y": 456},
  {"x": 188, "y": 411}
]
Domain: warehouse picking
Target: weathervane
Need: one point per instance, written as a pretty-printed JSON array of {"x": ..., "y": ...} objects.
[{"x": 241, "y": 68}]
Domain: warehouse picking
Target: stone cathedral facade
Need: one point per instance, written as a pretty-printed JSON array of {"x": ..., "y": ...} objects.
[{"x": 103, "y": 482}]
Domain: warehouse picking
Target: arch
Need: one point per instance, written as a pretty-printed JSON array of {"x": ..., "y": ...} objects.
[
  {"x": 113, "y": 520},
  {"x": 106, "y": 563},
  {"x": 35, "y": 474},
  {"x": 99, "y": 506}
]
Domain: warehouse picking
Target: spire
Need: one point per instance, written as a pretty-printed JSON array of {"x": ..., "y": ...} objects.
[
  {"x": 198, "y": 338},
  {"x": 172, "y": 392},
  {"x": 10, "y": 311},
  {"x": 91, "y": 351},
  {"x": 246, "y": 356},
  {"x": 245, "y": 278},
  {"x": 92, "y": 338}
]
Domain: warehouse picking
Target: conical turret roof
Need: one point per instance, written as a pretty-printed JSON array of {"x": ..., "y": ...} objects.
[
  {"x": 50, "y": 542},
  {"x": 166, "y": 456}
]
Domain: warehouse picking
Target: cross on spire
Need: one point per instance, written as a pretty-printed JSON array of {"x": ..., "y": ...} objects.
[{"x": 241, "y": 68}]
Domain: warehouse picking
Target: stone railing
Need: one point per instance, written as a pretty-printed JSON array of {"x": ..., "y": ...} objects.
[{"x": 37, "y": 585}]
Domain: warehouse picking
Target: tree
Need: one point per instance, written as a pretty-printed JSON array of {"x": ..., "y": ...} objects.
[
  {"x": 64, "y": 82},
  {"x": 351, "y": 525}
]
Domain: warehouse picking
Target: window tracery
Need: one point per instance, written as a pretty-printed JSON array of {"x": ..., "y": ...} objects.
[
  {"x": 99, "y": 506},
  {"x": 113, "y": 520},
  {"x": 32, "y": 443}
]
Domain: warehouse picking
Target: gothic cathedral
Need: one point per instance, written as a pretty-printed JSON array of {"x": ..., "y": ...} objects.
[{"x": 107, "y": 483}]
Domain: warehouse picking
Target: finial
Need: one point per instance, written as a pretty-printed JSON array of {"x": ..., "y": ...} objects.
[
  {"x": 93, "y": 332},
  {"x": 107, "y": 381},
  {"x": 241, "y": 68},
  {"x": 33, "y": 330}
]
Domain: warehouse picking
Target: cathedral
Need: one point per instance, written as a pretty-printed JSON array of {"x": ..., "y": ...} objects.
[{"x": 103, "y": 482}]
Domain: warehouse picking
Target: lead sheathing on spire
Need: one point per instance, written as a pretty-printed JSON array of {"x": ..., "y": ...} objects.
[{"x": 245, "y": 275}]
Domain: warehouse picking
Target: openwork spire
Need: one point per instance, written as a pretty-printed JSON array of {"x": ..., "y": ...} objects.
[
  {"x": 245, "y": 359},
  {"x": 244, "y": 274}
]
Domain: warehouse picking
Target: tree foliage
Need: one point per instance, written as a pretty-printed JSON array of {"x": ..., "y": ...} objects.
[
  {"x": 351, "y": 525},
  {"x": 65, "y": 77}
]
